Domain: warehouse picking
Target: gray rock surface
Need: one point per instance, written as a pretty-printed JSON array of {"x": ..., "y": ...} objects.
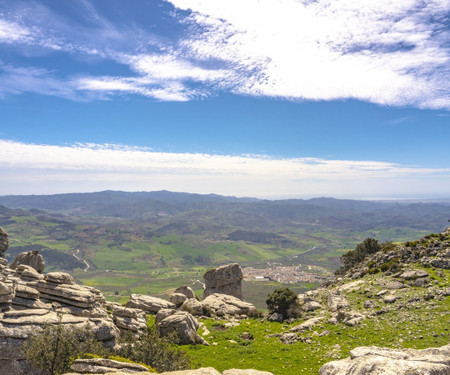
[
  {"x": 199, "y": 371},
  {"x": 192, "y": 306},
  {"x": 337, "y": 302},
  {"x": 186, "y": 290},
  {"x": 234, "y": 371},
  {"x": 128, "y": 319},
  {"x": 180, "y": 322},
  {"x": 224, "y": 280},
  {"x": 102, "y": 366},
  {"x": 29, "y": 258},
  {"x": 148, "y": 304},
  {"x": 382, "y": 361},
  {"x": 4, "y": 242},
  {"x": 223, "y": 304},
  {"x": 178, "y": 299}
]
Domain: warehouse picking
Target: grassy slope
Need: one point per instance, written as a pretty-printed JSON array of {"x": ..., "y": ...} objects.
[{"x": 406, "y": 324}]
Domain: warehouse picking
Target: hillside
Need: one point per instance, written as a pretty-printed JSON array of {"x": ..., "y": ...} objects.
[{"x": 152, "y": 242}]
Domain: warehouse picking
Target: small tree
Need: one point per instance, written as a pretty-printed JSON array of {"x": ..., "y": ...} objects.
[
  {"x": 159, "y": 353},
  {"x": 53, "y": 349},
  {"x": 283, "y": 301},
  {"x": 353, "y": 257}
]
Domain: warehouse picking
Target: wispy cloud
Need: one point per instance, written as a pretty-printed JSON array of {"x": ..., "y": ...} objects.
[
  {"x": 96, "y": 167},
  {"x": 391, "y": 53}
]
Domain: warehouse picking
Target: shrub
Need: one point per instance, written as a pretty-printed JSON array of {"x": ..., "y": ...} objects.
[
  {"x": 283, "y": 301},
  {"x": 353, "y": 257},
  {"x": 159, "y": 353},
  {"x": 54, "y": 348}
]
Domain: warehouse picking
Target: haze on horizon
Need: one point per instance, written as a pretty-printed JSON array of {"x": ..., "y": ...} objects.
[{"x": 267, "y": 99}]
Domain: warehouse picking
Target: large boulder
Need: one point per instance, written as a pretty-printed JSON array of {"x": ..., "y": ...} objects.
[
  {"x": 128, "y": 319},
  {"x": 186, "y": 290},
  {"x": 180, "y": 322},
  {"x": 105, "y": 366},
  {"x": 224, "y": 280},
  {"x": 223, "y": 304},
  {"x": 337, "y": 302},
  {"x": 29, "y": 258},
  {"x": 4, "y": 242},
  {"x": 375, "y": 361},
  {"x": 149, "y": 304}
]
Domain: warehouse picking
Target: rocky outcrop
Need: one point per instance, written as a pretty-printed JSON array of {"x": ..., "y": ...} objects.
[
  {"x": 192, "y": 306},
  {"x": 29, "y": 258},
  {"x": 128, "y": 320},
  {"x": 4, "y": 242},
  {"x": 377, "y": 361},
  {"x": 212, "y": 371},
  {"x": 223, "y": 304},
  {"x": 149, "y": 304},
  {"x": 224, "y": 280},
  {"x": 186, "y": 290},
  {"x": 180, "y": 322},
  {"x": 105, "y": 366}
]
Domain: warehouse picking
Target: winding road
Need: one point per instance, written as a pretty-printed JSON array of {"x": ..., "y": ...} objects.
[{"x": 81, "y": 260}]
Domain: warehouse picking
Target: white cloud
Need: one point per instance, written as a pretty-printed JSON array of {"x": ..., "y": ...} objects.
[
  {"x": 388, "y": 52},
  {"x": 34, "y": 168},
  {"x": 12, "y": 32}
]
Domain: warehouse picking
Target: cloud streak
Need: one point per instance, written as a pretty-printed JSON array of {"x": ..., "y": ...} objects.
[
  {"x": 386, "y": 52},
  {"x": 89, "y": 167}
]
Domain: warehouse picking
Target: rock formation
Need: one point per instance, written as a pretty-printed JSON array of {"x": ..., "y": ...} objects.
[
  {"x": 373, "y": 361},
  {"x": 106, "y": 366},
  {"x": 224, "y": 280},
  {"x": 4, "y": 242},
  {"x": 29, "y": 258},
  {"x": 149, "y": 304},
  {"x": 223, "y": 304}
]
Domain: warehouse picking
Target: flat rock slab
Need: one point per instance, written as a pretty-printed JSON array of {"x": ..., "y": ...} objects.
[
  {"x": 383, "y": 361},
  {"x": 223, "y": 304},
  {"x": 234, "y": 371},
  {"x": 200, "y": 371},
  {"x": 148, "y": 304}
]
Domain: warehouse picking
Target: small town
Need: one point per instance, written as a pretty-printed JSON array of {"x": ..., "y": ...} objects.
[{"x": 283, "y": 274}]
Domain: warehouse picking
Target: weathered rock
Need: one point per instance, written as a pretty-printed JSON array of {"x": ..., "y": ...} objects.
[
  {"x": 4, "y": 242},
  {"x": 59, "y": 278},
  {"x": 73, "y": 295},
  {"x": 390, "y": 298},
  {"x": 186, "y": 290},
  {"x": 128, "y": 319},
  {"x": 307, "y": 325},
  {"x": 183, "y": 324},
  {"x": 289, "y": 338},
  {"x": 149, "y": 304},
  {"x": 234, "y": 371},
  {"x": 102, "y": 366},
  {"x": 224, "y": 280},
  {"x": 311, "y": 306},
  {"x": 178, "y": 299},
  {"x": 223, "y": 304},
  {"x": 377, "y": 361},
  {"x": 30, "y": 258},
  {"x": 413, "y": 274},
  {"x": 199, "y": 371},
  {"x": 28, "y": 273},
  {"x": 275, "y": 317},
  {"x": 395, "y": 285},
  {"x": 337, "y": 302},
  {"x": 192, "y": 306}
]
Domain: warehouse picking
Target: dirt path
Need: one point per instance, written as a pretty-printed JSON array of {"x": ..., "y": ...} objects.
[{"x": 81, "y": 260}]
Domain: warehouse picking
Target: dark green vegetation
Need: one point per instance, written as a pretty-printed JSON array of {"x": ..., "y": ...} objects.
[
  {"x": 153, "y": 242},
  {"x": 55, "y": 347},
  {"x": 283, "y": 301}
]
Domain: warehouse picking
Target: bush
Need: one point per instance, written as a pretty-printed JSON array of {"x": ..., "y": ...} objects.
[
  {"x": 54, "y": 348},
  {"x": 159, "y": 353},
  {"x": 283, "y": 301},
  {"x": 353, "y": 257}
]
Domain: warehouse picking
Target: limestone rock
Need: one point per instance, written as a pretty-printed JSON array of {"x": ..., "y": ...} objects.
[
  {"x": 224, "y": 280},
  {"x": 4, "y": 242},
  {"x": 377, "y": 361},
  {"x": 311, "y": 306},
  {"x": 30, "y": 258},
  {"x": 178, "y": 299},
  {"x": 183, "y": 324},
  {"x": 199, "y": 371},
  {"x": 337, "y": 302},
  {"x": 289, "y": 338},
  {"x": 307, "y": 325},
  {"x": 148, "y": 304},
  {"x": 223, "y": 304},
  {"x": 234, "y": 371},
  {"x": 192, "y": 306},
  {"x": 28, "y": 273},
  {"x": 275, "y": 317},
  {"x": 413, "y": 274},
  {"x": 102, "y": 366},
  {"x": 59, "y": 278},
  {"x": 187, "y": 291},
  {"x": 128, "y": 319}
]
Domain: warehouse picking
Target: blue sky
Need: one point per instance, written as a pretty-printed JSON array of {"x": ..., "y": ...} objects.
[{"x": 267, "y": 98}]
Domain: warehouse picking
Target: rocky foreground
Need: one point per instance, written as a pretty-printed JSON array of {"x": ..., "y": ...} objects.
[{"x": 401, "y": 278}]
